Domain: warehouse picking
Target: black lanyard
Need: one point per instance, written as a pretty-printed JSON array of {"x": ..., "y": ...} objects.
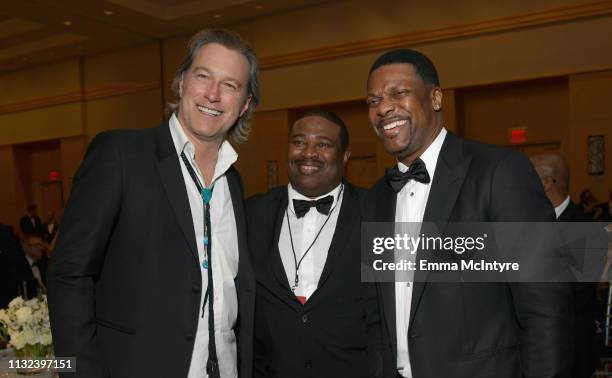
[
  {"x": 297, "y": 263},
  {"x": 212, "y": 365}
]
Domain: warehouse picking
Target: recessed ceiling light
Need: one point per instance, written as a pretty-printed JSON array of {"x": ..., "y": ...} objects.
[
  {"x": 217, "y": 16},
  {"x": 258, "y": 6},
  {"x": 108, "y": 12},
  {"x": 67, "y": 23}
]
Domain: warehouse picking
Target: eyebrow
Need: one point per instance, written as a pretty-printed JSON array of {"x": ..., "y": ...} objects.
[
  {"x": 317, "y": 137},
  {"x": 392, "y": 87},
  {"x": 227, "y": 78}
]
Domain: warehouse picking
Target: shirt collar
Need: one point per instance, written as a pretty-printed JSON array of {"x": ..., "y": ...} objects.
[
  {"x": 430, "y": 156},
  {"x": 227, "y": 155},
  {"x": 561, "y": 208},
  {"x": 294, "y": 194}
]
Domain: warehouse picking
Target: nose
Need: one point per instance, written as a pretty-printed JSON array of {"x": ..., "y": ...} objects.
[
  {"x": 213, "y": 93},
  {"x": 310, "y": 150},
  {"x": 385, "y": 107}
]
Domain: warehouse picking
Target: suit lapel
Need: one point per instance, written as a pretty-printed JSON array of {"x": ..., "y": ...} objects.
[
  {"x": 386, "y": 200},
  {"x": 236, "y": 191},
  {"x": 276, "y": 263},
  {"x": 349, "y": 212},
  {"x": 172, "y": 179},
  {"x": 451, "y": 169}
]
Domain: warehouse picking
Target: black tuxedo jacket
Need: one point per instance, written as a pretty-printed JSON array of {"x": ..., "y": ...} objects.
[
  {"x": 336, "y": 333},
  {"x": 479, "y": 329},
  {"x": 124, "y": 281},
  {"x": 574, "y": 213},
  {"x": 29, "y": 228},
  {"x": 23, "y": 272}
]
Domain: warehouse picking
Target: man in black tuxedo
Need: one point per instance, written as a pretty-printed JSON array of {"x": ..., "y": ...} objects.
[
  {"x": 314, "y": 317},
  {"x": 31, "y": 266},
  {"x": 460, "y": 329},
  {"x": 554, "y": 174},
  {"x": 23, "y": 266},
  {"x": 152, "y": 214},
  {"x": 30, "y": 223}
]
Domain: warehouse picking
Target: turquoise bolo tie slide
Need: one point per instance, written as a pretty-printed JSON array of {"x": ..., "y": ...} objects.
[{"x": 206, "y": 194}]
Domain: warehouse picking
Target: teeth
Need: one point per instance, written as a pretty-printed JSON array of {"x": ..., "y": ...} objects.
[
  {"x": 309, "y": 168},
  {"x": 209, "y": 111},
  {"x": 395, "y": 124}
]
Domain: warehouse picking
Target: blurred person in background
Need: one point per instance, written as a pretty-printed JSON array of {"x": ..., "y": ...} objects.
[
  {"x": 30, "y": 223},
  {"x": 555, "y": 176}
]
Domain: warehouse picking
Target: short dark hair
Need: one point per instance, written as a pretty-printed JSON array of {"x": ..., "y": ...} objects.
[
  {"x": 331, "y": 117},
  {"x": 422, "y": 65},
  {"x": 230, "y": 40}
]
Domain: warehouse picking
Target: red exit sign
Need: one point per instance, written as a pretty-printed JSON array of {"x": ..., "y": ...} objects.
[
  {"x": 54, "y": 176},
  {"x": 517, "y": 135}
]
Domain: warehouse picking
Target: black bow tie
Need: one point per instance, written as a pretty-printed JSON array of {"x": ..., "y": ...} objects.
[
  {"x": 323, "y": 205},
  {"x": 417, "y": 172}
]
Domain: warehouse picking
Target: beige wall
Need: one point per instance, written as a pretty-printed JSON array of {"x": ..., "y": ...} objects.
[
  {"x": 68, "y": 103},
  {"x": 559, "y": 49},
  {"x": 54, "y": 79},
  {"x": 540, "y": 106}
]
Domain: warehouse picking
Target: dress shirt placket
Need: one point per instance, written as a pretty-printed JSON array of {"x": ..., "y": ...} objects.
[{"x": 309, "y": 227}]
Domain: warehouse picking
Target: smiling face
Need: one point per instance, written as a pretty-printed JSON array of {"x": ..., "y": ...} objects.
[
  {"x": 315, "y": 157},
  {"x": 403, "y": 110},
  {"x": 213, "y": 93}
]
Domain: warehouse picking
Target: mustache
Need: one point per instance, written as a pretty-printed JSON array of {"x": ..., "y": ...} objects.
[{"x": 309, "y": 161}]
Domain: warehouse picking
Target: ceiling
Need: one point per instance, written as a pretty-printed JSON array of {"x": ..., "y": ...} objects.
[{"x": 33, "y": 32}]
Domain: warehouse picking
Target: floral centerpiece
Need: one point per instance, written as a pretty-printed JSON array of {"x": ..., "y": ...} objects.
[{"x": 27, "y": 325}]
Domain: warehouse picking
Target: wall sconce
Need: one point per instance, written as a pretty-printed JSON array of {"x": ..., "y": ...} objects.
[{"x": 596, "y": 155}]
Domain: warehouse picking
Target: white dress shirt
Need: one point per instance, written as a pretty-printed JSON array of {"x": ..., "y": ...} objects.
[
  {"x": 303, "y": 232},
  {"x": 224, "y": 256},
  {"x": 561, "y": 208},
  {"x": 410, "y": 207}
]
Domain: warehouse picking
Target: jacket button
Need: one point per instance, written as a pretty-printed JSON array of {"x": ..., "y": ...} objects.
[
  {"x": 195, "y": 289},
  {"x": 304, "y": 318},
  {"x": 189, "y": 337},
  {"x": 308, "y": 364}
]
